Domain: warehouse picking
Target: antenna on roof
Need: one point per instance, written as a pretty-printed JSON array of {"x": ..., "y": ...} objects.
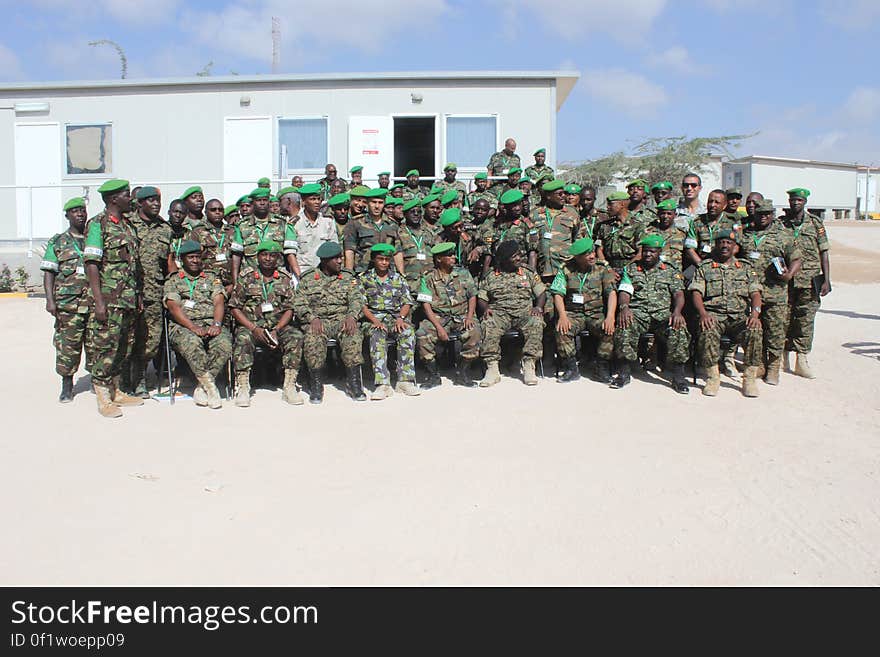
[{"x": 276, "y": 43}]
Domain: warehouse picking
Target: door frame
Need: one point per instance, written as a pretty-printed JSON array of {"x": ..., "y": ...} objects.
[{"x": 438, "y": 160}]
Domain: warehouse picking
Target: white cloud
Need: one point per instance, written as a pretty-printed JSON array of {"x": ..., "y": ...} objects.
[
  {"x": 134, "y": 13},
  {"x": 629, "y": 92},
  {"x": 853, "y": 15},
  {"x": 863, "y": 104},
  {"x": 677, "y": 60},
  {"x": 10, "y": 65}
]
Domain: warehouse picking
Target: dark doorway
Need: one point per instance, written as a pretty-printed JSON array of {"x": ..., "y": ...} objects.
[{"x": 414, "y": 145}]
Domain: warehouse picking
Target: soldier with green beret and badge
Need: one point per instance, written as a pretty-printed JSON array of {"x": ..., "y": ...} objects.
[
  {"x": 431, "y": 210},
  {"x": 572, "y": 194},
  {"x": 415, "y": 242},
  {"x": 312, "y": 228},
  {"x": 194, "y": 200},
  {"x": 450, "y": 183},
  {"x": 357, "y": 176},
  {"x": 264, "y": 182},
  {"x": 384, "y": 179},
  {"x": 557, "y": 226},
  {"x": 502, "y": 162},
  {"x": 363, "y": 233},
  {"x": 481, "y": 191},
  {"x": 661, "y": 191},
  {"x": 260, "y": 227},
  {"x": 508, "y": 226},
  {"x": 413, "y": 188},
  {"x": 702, "y": 230},
  {"x": 467, "y": 251},
  {"x": 539, "y": 169},
  {"x": 514, "y": 174},
  {"x": 339, "y": 208},
  {"x": 673, "y": 236},
  {"x": 617, "y": 240}
]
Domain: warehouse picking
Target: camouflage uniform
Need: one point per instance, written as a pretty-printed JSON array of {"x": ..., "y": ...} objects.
[
  {"x": 594, "y": 285},
  {"x": 252, "y": 290},
  {"x": 590, "y": 224},
  {"x": 177, "y": 240},
  {"x": 362, "y": 234},
  {"x": 811, "y": 240},
  {"x": 340, "y": 229},
  {"x": 385, "y": 299},
  {"x": 701, "y": 233},
  {"x": 216, "y": 250},
  {"x": 195, "y": 296},
  {"x": 556, "y": 230},
  {"x": 761, "y": 246},
  {"x": 415, "y": 245},
  {"x": 448, "y": 295},
  {"x": 500, "y": 162},
  {"x": 457, "y": 185},
  {"x": 490, "y": 197},
  {"x": 725, "y": 289},
  {"x": 619, "y": 241},
  {"x": 419, "y": 192},
  {"x": 651, "y": 292},
  {"x": 534, "y": 172},
  {"x": 330, "y": 299},
  {"x": 517, "y": 231},
  {"x": 674, "y": 238},
  {"x": 249, "y": 234},
  {"x": 511, "y": 297},
  {"x": 64, "y": 258}
]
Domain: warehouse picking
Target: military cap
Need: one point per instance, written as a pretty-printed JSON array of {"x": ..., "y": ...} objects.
[
  {"x": 393, "y": 200},
  {"x": 513, "y": 170},
  {"x": 75, "y": 202},
  {"x": 308, "y": 190},
  {"x": 339, "y": 199},
  {"x": 437, "y": 188},
  {"x": 448, "y": 197},
  {"x": 395, "y": 186},
  {"x": 229, "y": 209},
  {"x": 583, "y": 245},
  {"x": 113, "y": 185},
  {"x": 329, "y": 250},
  {"x": 269, "y": 245},
  {"x": 450, "y": 166},
  {"x": 261, "y": 192},
  {"x": 544, "y": 176},
  {"x": 443, "y": 247},
  {"x": 553, "y": 185},
  {"x": 733, "y": 191},
  {"x": 765, "y": 205},
  {"x": 615, "y": 196},
  {"x": 244, "y": 199},
  {"x": 383, "y": 249},
  {"x": 359, "y": 191},
  {"x": 147, "y": 192},
  {"x": 653, "y": 241},
  {"x": 506, "y": 250},
  {"x": 189, "y": 191},
  {"x": 412, "y": 203},
  {"x": 430, "y": 198},
  {"x": 264, "y": 181},
  {"x": 511, "y": 196},
  {"x": 383, "y": 173},
  {"x": 450, "y": 216},
  {"x": 525, "y": 181},
  {"x": 799, "y": 192},
  {"x": 482, "y": 175},
  {"x": 572, "y": 188},
  {"x": 412, "y": 172},
  {"x": 540, "y": 150},
  {"x": 273, "y": 199},
  {"x": 288, "y": 190},
  {"x": 726, "y": 235},
  {"x": 376, "y": 192},
  {"x": 356, "y": 168},
  {"x": 664, "y": 184},
  {"x": 668, "y": 204},
  {"x": 638, "y": 182},
  {"x": 189, "y": 246}
]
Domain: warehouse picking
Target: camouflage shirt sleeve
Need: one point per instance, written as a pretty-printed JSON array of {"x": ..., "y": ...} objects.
[
  {"x": 50, "y": 260},
  {"x": 698, "y": 284},
  {"x": 821, "y": 235},
  {"x": 94, "y": 247}
]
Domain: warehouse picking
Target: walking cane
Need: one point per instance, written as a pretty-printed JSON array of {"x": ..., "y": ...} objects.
[{"x": 171, "y": 392}]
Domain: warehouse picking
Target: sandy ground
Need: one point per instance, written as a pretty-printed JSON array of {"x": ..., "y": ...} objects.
[{"x": 559, "y": 484}]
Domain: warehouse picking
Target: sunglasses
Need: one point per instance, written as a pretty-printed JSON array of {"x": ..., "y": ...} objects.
[{"x": 690, "y": 184}]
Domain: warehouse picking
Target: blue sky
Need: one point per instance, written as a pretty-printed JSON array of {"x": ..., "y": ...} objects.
[{"x": 799, "y": 73}]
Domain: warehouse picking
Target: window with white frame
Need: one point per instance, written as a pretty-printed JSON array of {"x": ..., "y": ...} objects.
[
  {"x": 89, "y": 148},
  {"x": 302, "y": 144},
  {"x": 471, "y": 140}
]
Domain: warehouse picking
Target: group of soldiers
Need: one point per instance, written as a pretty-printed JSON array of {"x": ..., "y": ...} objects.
[{"x": 652, "y": 276}]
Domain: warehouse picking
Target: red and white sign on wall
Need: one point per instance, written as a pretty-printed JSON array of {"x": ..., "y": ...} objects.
[{"x": 371, "y": 144}]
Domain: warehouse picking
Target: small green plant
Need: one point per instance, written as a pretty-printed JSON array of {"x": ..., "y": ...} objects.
[
  {"x": 22, "y": 278},
  {"x": 5, "y": 279}
]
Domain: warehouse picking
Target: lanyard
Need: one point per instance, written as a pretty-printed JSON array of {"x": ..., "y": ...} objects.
[
  {"x": 758, "y": 241},
  {"x": 503, "y": 233},
  {"x": 797, "y": 230},
  {"x": 549, "y": 220},
  {"x": 711, "y": 232},
  {"x": 192, "y": 286},
  {"x": 267, "y": 291},
  {"x": 590, "y": 226},
  {"x": 583, "y": 280},
  {"x": 177, "y": 248},
  {"x": 221, "y": 240},
  {"x": 262, "y": 232},
  {"x": 418, "y": 242},
  {"x": 458, "y": 251},
  {"x": 77, "y": 249}
]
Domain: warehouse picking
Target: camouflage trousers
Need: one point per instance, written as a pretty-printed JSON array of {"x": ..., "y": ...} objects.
[
  {"x": 69, "y": 340},
  {"x": 290, "y": 346},
  {"x": 626, "y": 340},
  {"x": 427, "y": 338},
  {"x": 565, "y": 344},
  {"x": 147, "y": 332},
  {"x": 774, "y": 319},
  {"x": 406, "y": 350},
  {"x": 803, "y": 306},
  {"x": 499, "y": 322},
  {"x": 108, "y": 343},
  {"x": 315, "y": 345},
  {"x": 203, "y": 355},
  {"x": 733, "y": 326}
]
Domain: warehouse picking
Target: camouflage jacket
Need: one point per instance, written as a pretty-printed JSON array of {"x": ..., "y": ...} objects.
[
  {"x": 512, "y": 292},
  {"x": 195, "y": 296},
  {"x": 473, "y": 197},
  {"x": 216, "y": 249},
  {"x": 619, "y": 241},
  {"x": 64, "y": 258},
  {"x": 448, "y": 294},
  {"x": 811, "y": 240},
  {"x": 419, "y": 192},
  {"x": 154, "y": 245},
  {"x": 651, "y": 290},
  {"x": 493, "y": 234},
  {"x": 415, "y": 245},
  {"x": 112, "y": 244},
  {"x": 725, "y": 288},
  {"x": 319, "y": 296},
  {"x": 674, "y": 238},
  {"x": 388, "y": 297},
  {"x": 250, "y": 232},
  {"x": 361, "y": 234},
  {"x": 556, "y": 229},
  {"x": 457, "y": 185},
  {"x": 534, "y": 172},
  {"x": 584, "y": 291},
  {"x": 760, "y": 247},
  {"x": 500, "y": 162},
  {"x": 252, "y": 290},
  {"x": 702, "y": 232}
]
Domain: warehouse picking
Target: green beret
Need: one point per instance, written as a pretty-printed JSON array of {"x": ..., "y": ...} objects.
[
  {"x": 395, "y": 186},
  {"x": 273, "y": 199},
  {"x": 544, "y": 176},
  {"x": 443, "y": 247},
  {"x": 359, "y": 191},
  {"x": 263, "y": 181},
  {"x": 412, "y": 203},
  {"x": 147, "y": 192},
  {"x": 310, "y": 189},
  {"x": 329, "y": 250},
  {"x": 653, "y": 241},
  {"x": 75, "y": 202},
  {"x": 244, "y": 199},
  {"x": 449, "y": 196},
  {"x": 190, "y": 191},
  {"x": 540, "y": 150},
  {"x": 383, "y": 249},
  {"x": 482, "y": 175},
  {"x": 393, "y": 200},
  {"x": 638, "y": 182},
  {"x": 269, "y": 245},
  {"x": 113, "y": 185},
  {"x": 383, "y": 173},
  {"x": 412, "y": 172},
  {"x": 525, "y": 181},
  {"x": 553, "y": 185},
  {"x": 796, "y": 191},
  {"x": 614, "y": 196},
  {"x": 261, "y": 192},
  {"x": 450, "y": 166},
  {"x": 726, "y": 235},
  {"x": 339, "y": 199},
  {"x": 229, "y": 210},
  {"x": 437, "y": 188},
  {"x": 189, "y": 246},
  {"x": 668, "y": 204},
  {"x": 511, "y": 196},
  {"x": 733, "y": 191},
  {"x": 583, "y": 245},
  {"x": 287, "y": 190},
  {"x": 665, "y": 184},
  {"x": 513, "y": 170},
  {"x": 378, "y": 192},
  {"x": 450, "y": 216},
  {"x": 430, "y": 198},
  {"x": 572, "y": 188},
  {"x": 356, "y": 168},
  {"x": 765, "y": 205}
]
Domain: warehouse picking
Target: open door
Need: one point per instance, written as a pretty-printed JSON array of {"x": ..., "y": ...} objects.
[
  {"x": 415, "y": 139},
  {"x": 370, "y": 144}
]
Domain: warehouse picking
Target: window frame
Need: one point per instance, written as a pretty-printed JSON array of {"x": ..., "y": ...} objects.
[
  {"x": 308, "y": 172},
  {"x": 88, "y": 124},
  {"x": 487, "y": 115}
]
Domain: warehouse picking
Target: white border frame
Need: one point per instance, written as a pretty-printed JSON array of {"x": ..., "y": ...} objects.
[
  {"x": 87, "y": 176},
  {"x": 283, "y": 175},
  {"x": 493, "y": 115},
  {"x": 438, "y": 144}
]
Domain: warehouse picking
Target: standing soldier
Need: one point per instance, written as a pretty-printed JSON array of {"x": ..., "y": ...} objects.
[
  {"x": 811, "y": 283},
  {"x": 639, "y": 211},
  {"x": 662, "y": 191},
  {"x": 110, "y": 255},
  {"x": 481, "y": 191},
  {"x": 701, "y": 233},
  {"x": 196, "y": 303},
  {"x": 384, "y": 179},
  {"x": 262, "y": 305},
  {"x": 508, "y": 225},
  {"x": 216, "y": 240},
  {"x": 585, "y": 299},
  {"x": 647, "y": 290},
  {"x": 413, "y": 189},
  {"x": 66, "y": 287},
  {"x": 327, "y": 304},
  {"x": 312, "y": 228},
  {"x": 357, "y": 176},
  {"x": 618, "y": 238},
  {"x": 449, "y": 181},
  {"x": 260, "y": 227},
  {"x": 330, "y": 177},
  {"x": 513, "y": 177},
  {"x": 415, "y": 245},
  {"x": 512, "y": 296},
  {"x": 539, "y": 168},
  {"x": 176, "y": 219},
  {"x": 501, "y": 162},
  {"x": 590, "y": 215},
  {"x": 673, "y": 236},
  {"x": 431, "y": 210},
  {"x": 467, "y": 250},
  {"x": 557, "y": 226},
  {"x": 230, "y": 215},
  {"x": 363, "y": 233},
  {"x": 339, "y": 206},
  {"x": 194, "y": 200}
]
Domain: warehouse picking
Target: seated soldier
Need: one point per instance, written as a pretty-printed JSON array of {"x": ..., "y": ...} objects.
[
  {"x": 262, "y": 305},
  {"x": 584, "y": 299},
  {"x": 386, "y": 313},
  {"x": 647, "y": 290},
  {"x": 196, "y": 303},
  {"x": 511, "y": 296},
  {"x": 727, "y": 298},
  {"x": 449, "y": 297},
  {"x": 328, "y": 303}
]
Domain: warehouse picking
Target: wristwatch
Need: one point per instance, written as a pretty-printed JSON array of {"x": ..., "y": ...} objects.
[
  {"x": 756, "y": 310},
  {"x": 217, "y": 323}
]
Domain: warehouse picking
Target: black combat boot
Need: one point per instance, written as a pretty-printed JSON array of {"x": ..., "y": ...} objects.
[
  {"x": 433, "y": 379},
  {"x": 571, "y": 371},
  {"x": 679, "y": 382},
  {"x": 353, "y": 383},
  {"x": 603, "y": 370},
  {"x": 66, "y": 395},
  {"x": 316, "y": 386},
  {"x": 463, "y": 374},
  {"x": 624, "y": 374}
]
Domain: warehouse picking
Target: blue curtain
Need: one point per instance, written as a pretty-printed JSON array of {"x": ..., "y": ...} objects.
[
  {"x": 306, "y": 141},
  {"x": 470, "y": 140}
]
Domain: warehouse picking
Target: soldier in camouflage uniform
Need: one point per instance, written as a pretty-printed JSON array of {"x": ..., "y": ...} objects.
[
  {"x": 557, "y": 227},
  {"x": 590, "y": 216},
  {"x": 431, "y": 210},
  {"x": 648, "y": 288},
  {"x": 194, "y": 200},
  {"x": 673, "y": 236},
  {"x": 339, "y": 207},
  {"x": 413, "y": 189},
  {"x": 66, "y": 287},
  {"x": 196, "y": 304},
  {"x": 179, "y": 233},
  {"x": 502, "y": 162},
  {"x": 811, "y": 283},
  {"x": 661, "y": 191},
  {"x": 387, "y": 310},
  {"x": 467, "y": 248},
  {"x": 262, "y": 305},
  {"x": 512, "y": 296},
  {"x": 702, "y": 230},
  {"x": 540, "y": 169},
  {"x": 639, "y": 210},
  {"x": 260, "y": 227},
  {"x": 449, "y": 182},
  {"x": 481, "y": 191},
  {"x": 724, "y": 289},
  {"x": 357, "y": 176},
  {"x": 110, "y": 255},
  {"x": 216, "y": 239},
  {"x": 449, "y": 297},
  {"x": 585, "y": 300},
  {"x": 330, "y": 177},
  {"x": 328, "y": 303},
  {"x": 617, "y": 240},
  {"x": 415, "y": 245},
  {"x": 514, "y": 174},
  {"x": 507, "y": 226},
  {"x": 373, "y": 228},
  {"x": 765, "y": 240},
  {"x": 154, "y": 246}
]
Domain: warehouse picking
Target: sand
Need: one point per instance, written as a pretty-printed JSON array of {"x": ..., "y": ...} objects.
[{"x": 559, "y": 484}]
